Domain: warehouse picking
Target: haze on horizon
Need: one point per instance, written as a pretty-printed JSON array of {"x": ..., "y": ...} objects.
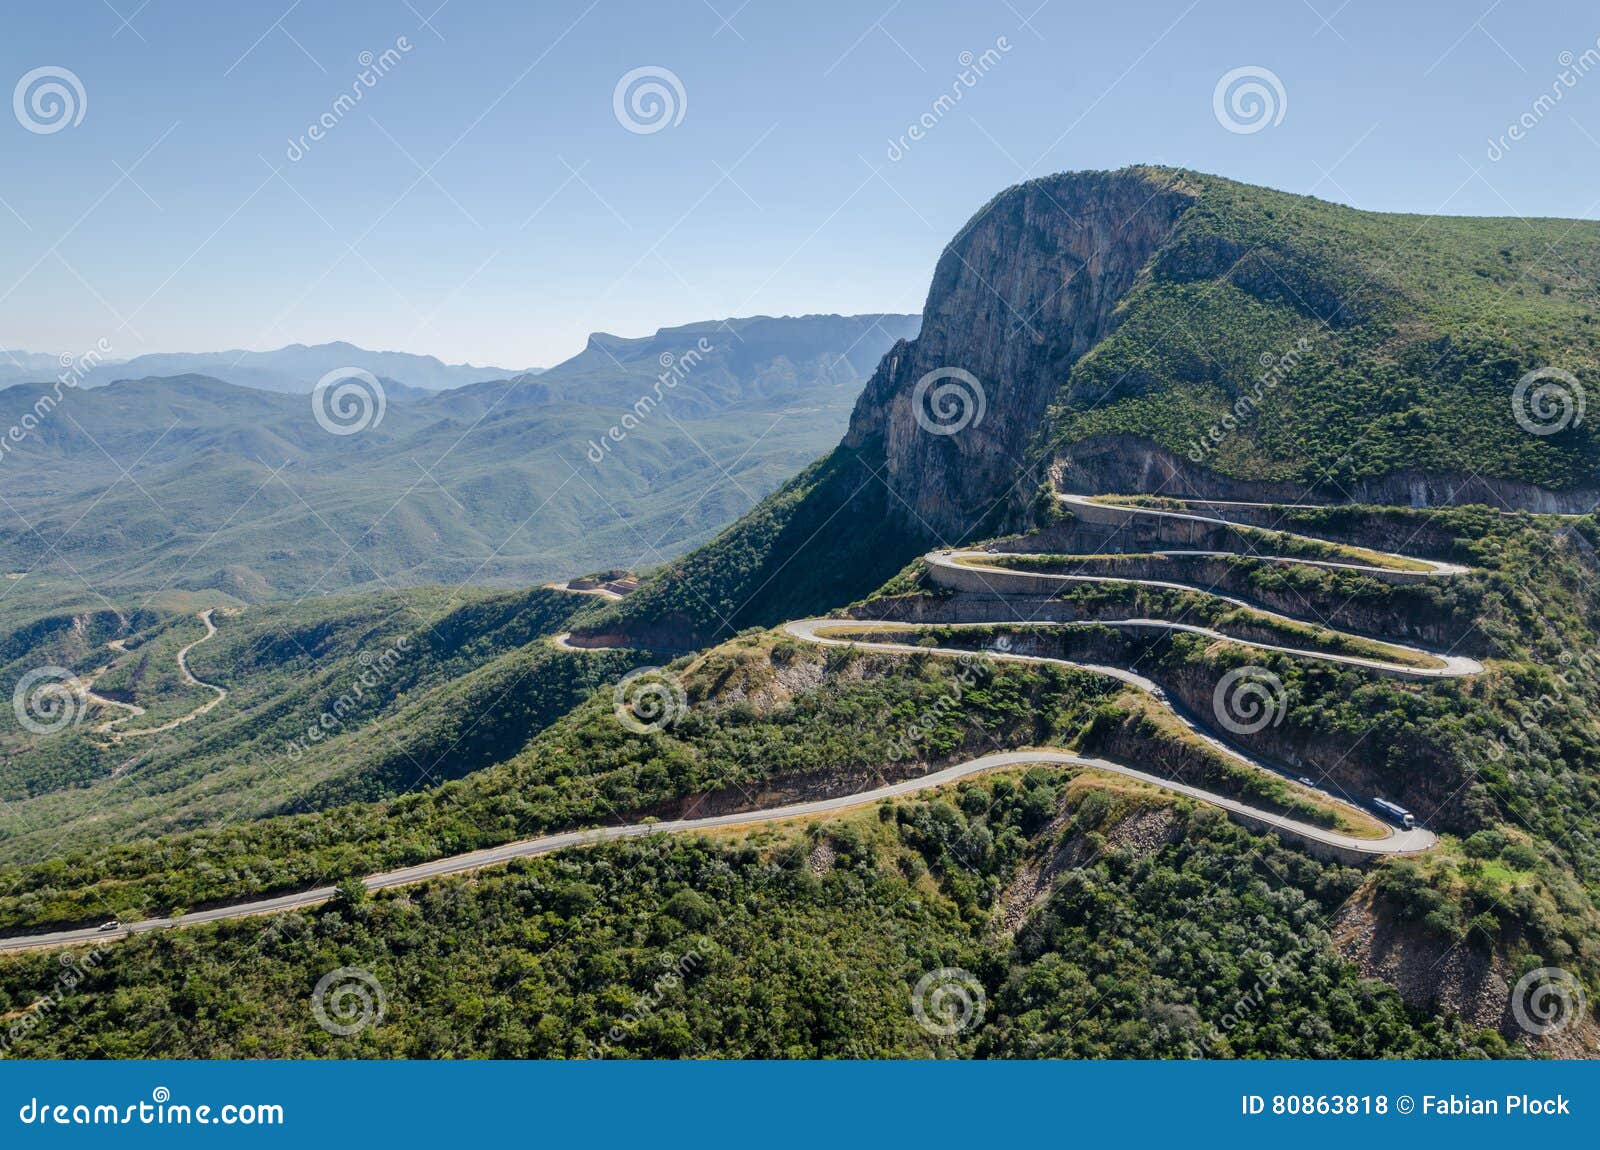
[{"x": 487, "y": 199}]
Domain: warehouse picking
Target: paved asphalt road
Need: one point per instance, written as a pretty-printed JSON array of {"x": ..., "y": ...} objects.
[{"x": 814, "y": 630}]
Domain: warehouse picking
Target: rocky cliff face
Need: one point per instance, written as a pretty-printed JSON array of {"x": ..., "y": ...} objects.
[{"x": 1029, "y": 285}]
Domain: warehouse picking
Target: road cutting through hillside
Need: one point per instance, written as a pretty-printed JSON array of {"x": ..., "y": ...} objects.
[
  {"x": 134, "y": 710},
  {"x": 1001, "y": 583},
  {"x": 1397, "y": 842},
  {"x": 1403, "y": 842}
]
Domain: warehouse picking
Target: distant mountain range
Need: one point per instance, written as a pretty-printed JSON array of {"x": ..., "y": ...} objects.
[
  {"x": 293, "y": 369},
  {"x": 242, "y": 490}
]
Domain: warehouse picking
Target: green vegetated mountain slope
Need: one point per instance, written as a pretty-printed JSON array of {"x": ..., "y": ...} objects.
[
  {"x": 1096, "y": 917},
  {"x": 330, "y": 701},
  {"x": 245, "y": 493},
  {"x": 1112, "y": 320},
  {"x": 807, "y": 941}
]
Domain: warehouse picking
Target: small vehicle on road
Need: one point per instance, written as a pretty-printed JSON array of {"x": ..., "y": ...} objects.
[{"x": 109, "y": 924}]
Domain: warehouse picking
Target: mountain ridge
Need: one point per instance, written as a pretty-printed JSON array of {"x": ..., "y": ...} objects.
[{"x": 1109, "y": 319}]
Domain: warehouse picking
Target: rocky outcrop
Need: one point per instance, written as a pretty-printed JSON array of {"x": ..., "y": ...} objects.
[
  {"x": 1131, "y": 465},
  {"x": 1030, "y": 284}
]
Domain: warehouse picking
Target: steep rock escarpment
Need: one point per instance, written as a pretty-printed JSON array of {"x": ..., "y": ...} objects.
[
  {"x": 1029, "y": 285},
  {"x": 1132, "y": 465}
]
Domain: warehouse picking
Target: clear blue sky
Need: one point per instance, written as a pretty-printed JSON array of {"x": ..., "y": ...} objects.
[{"x": 157, "y": 222}]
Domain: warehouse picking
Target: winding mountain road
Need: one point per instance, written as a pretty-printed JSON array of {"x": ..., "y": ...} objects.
[
  {"x": 1396, "y": 842},
  {"x": 134, "y": 710},
  {"x": 1401, "y": 843}
]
